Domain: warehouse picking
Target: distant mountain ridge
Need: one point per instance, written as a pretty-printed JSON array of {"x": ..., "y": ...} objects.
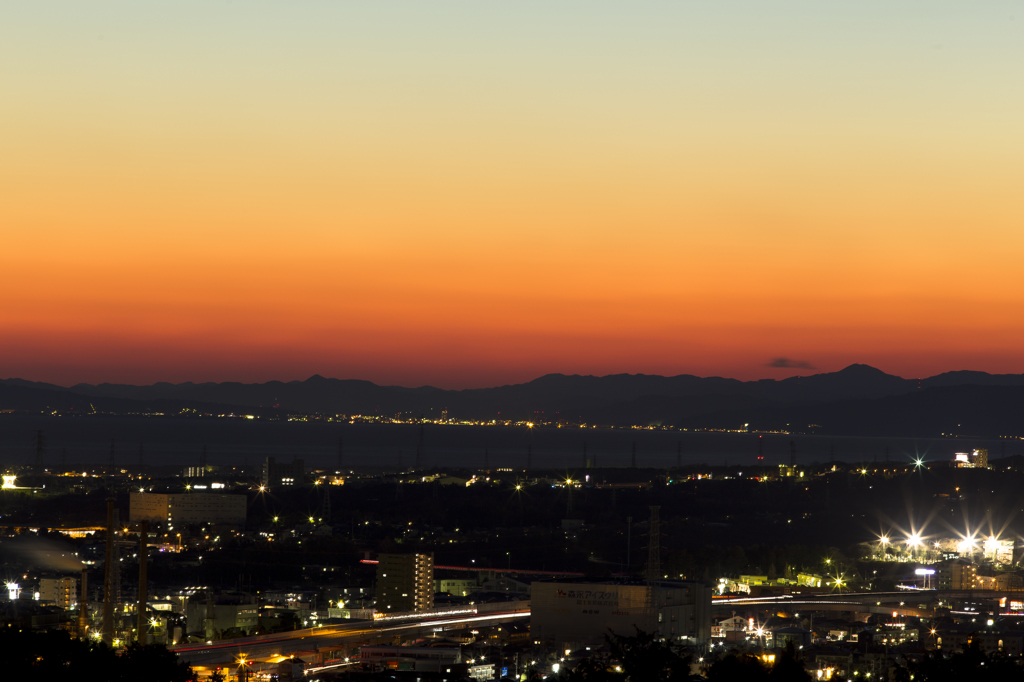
[{"x": 848, "y": 400}]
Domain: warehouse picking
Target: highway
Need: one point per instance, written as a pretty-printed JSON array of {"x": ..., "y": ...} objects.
[
  {"x": 270, "y": 649},
  {"x": 910, "y": 603}
]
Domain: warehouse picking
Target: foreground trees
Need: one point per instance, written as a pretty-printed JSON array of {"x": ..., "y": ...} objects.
[
  {"x": 57, "y": 656},
  {"x": 643, "y": 658}
]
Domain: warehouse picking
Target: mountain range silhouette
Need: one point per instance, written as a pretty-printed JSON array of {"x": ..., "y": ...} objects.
[{"x": 857, "y": 400}]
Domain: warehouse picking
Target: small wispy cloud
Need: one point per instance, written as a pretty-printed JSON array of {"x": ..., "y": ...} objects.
[{"x": 790, "y": 363}]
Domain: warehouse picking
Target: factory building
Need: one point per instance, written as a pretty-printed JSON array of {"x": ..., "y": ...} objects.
[
  {"x": 184, "y": 508},
  {"x": 572, "y": 615}
]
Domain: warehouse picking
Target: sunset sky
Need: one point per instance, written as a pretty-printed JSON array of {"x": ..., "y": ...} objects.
[{"x": 467, "y": 194}]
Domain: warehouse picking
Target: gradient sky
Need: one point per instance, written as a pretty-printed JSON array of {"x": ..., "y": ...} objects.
[{"x": 468, "y": 194}]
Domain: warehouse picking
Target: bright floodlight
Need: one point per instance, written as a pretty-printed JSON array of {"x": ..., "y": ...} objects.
[
  {"x": 884, "y": 540},
  {"x": 914, "y": 540},
  {"x": 919, "y": 463}
]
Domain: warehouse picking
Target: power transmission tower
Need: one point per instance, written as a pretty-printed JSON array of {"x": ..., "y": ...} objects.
[
  {"x": 792, "y": 452},
  {"x": 113, "y": 455},
  {"x": 142, "y": 455},
  {"x": 629, "y": 539},
  {"x": 115, "y": 569},
  {"x": 341, "y": 454},
  {"x": 40, "y": 448},
  {"x": 529, "y": 457},
  {"x": 419, "y": 450},
  {"x": 325, "y": 511},
  {"x": 487, "y": 459},
  {"x": 586, "y": 461},
  {"x": 654, "y": 546},
  {"x": 679, "y": 454},
  {"x": 633, "y": 459}
]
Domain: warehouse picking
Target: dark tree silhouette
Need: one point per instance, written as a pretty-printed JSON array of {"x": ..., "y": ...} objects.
[{"x": 56, "y": 656}]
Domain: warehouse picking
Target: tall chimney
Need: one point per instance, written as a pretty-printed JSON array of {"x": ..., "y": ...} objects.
[
  {"x": 143, "y": 552},
  {"x": 83, "y": 604},
  {"x": 108, "y": 578}
]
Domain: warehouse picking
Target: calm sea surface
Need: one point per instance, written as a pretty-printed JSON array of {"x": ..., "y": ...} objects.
[{"x": 173, "y": 441}]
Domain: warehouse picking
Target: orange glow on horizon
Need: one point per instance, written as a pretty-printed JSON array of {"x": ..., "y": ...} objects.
[{"x": 468, "y": 197}]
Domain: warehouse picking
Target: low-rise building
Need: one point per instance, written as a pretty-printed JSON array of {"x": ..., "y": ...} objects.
[
  {"x": 215, "y": 620},
  {"x": 419, "y": 659}
]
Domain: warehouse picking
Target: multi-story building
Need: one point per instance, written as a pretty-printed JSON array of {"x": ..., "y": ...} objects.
[
  {"x": 1002, "y": 582},
  {"x": 958, "y": 575},
  {"x": 184, "y": 508},
  {"x": 279, "y": 473},
  {"x": 975, "y": 459},
  {"x": 63, "y": 592},
  {"x": 405, "y": 582},
  {"x": 577, "y": 614}
]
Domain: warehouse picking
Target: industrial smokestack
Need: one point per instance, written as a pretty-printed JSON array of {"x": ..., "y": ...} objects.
[
  {"x": 143, "y": 552},
  {"x": 83, "y": 604},
  {"x": 108, "y": 578}
]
